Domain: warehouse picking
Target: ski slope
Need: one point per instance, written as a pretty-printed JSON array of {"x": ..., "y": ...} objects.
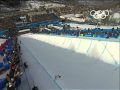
[{"x": 82, "y": 63}]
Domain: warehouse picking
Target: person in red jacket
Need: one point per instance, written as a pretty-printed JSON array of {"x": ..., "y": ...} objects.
[{"x": 1, "y": 47}]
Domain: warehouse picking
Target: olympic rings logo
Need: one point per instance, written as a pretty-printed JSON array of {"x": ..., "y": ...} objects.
[{"x": 100, "y": 14}]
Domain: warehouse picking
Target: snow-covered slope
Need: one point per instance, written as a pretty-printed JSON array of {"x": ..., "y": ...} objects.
[{"x": 81, "y": 63}]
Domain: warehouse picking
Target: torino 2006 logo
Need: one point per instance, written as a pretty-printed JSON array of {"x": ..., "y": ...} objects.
[{"x": 100, "y": 14}]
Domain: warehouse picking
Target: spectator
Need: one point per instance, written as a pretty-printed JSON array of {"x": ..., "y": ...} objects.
[{"x": 10, "y": 83}]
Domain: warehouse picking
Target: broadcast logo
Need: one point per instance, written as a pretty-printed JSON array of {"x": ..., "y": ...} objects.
[{"x": 100, "y": 14}]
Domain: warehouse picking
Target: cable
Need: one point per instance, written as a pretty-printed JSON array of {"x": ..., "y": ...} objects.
[
  {"x": 79, "y": 44},
  {"x": 64, "y": 42},
  {"x": 103, "y": 50},
  {"x": 110, "y": 54},
  {"x": 89, "y": 46}
]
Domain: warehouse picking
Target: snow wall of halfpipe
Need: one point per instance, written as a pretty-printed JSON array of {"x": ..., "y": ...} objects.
[
  {"x": 83, "y": 63},
  {"x": 105, "y": 50}
]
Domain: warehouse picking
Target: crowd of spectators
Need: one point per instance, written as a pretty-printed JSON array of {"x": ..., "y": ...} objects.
[
  {"x": 10, "y": 64},
  {"x": 96, "y": 32}
]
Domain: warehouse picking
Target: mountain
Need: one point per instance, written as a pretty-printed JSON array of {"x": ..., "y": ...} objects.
[{"x": 16, "y": 4}]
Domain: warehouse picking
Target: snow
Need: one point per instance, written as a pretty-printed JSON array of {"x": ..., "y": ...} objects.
[{"x": 48, "y": 56}]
